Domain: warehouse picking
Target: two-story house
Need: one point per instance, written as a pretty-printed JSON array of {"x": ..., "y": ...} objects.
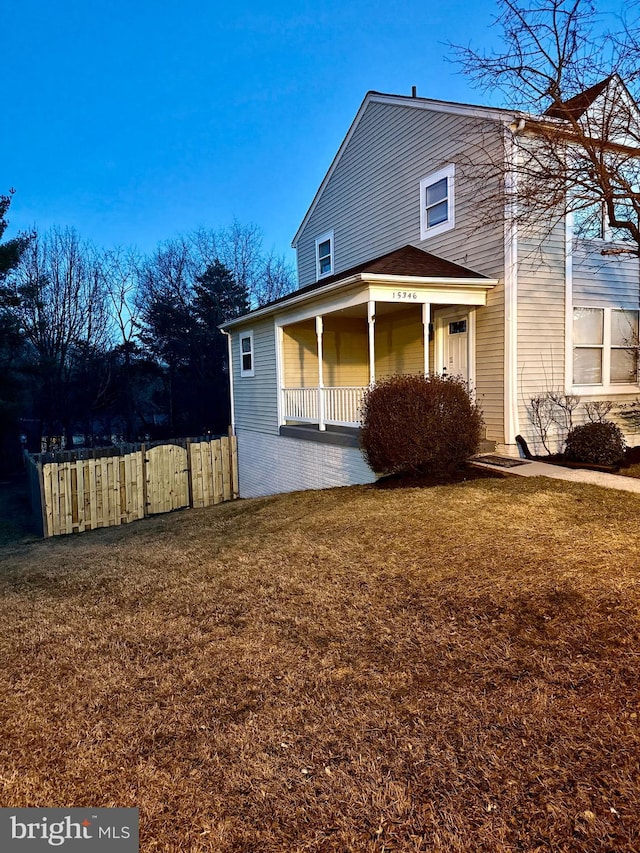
[{"x": 405, "y": 266}]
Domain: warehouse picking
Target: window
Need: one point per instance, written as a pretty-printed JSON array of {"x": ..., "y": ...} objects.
[
  {"x": 591, "y": 222},
  {"x": 437, "y": 202},
  {"x": 605, "y": 346},
  {"x": 246, "y": 354},
  {"x": 324, "y": 254}
]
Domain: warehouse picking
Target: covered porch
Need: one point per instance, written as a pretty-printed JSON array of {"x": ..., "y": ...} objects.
[{"x": 329, "y": 358}]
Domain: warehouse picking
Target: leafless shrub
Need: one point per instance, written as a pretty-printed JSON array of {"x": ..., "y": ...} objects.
[
  {"x": 597, "y": 410},
  {"x": 540, "y": 410}
]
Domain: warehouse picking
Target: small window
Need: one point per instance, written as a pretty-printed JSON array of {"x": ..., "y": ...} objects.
[
  {"x": 246, "y": 354},
  {"x": 458, "y": 327},
  {"x": 437, "y": 202},
  {"x": 324, "y": 254}
]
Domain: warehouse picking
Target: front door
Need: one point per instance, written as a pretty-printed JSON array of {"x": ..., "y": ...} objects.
[{"x": 453, "y": 344}]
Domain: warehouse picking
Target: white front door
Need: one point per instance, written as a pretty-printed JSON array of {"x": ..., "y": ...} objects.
[{"x": 453, "y": 342}]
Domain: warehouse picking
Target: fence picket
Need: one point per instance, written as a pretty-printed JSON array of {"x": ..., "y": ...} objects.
[{"x": 74, "y": 495}]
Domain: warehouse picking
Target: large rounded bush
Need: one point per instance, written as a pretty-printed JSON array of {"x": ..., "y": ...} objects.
[
  {"x": 596, "y": 443},
  {"x": 419, "y": 425}
]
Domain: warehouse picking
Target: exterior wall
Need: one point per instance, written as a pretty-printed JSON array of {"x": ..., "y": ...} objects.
[
  {"x": 611, "y": 281},
  {"x": 399, "y": 343},
  {"x": 256, "y": 397},
  {"x": 345, "y": 353},
  {"x": 372, "y": 203},
  {"x": 541, "y": 319},
  {"x": 300, "y": 355},
  {"x": 271, "y": 464},
  {"x": 544, "y": 354}
]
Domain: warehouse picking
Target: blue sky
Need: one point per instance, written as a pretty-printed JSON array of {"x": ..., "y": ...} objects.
[{"x": 134, "y": 121}]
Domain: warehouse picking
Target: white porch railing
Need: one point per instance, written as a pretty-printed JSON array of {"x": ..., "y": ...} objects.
[
  {"x": 340, "y": 406},
  {"x": 300, "y": 404}
]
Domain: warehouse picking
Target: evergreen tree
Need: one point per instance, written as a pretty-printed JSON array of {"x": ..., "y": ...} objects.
[{"x": 11, "y": 343}]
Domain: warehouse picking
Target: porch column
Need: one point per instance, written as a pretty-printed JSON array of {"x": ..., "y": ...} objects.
[
  {"x": 371, "y": 319},
  {"x": 426, "y": 319},
  {"x": 321, "y": 413}
]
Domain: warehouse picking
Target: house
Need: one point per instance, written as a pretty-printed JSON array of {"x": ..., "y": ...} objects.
[{"x": 407, "y": 265}]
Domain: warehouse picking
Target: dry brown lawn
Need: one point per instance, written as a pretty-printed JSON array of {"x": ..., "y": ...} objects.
[{"x": 443, "y": 669}]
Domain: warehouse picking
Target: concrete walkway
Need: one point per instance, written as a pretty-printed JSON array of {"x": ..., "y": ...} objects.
[{"x": 526, "y": 468}]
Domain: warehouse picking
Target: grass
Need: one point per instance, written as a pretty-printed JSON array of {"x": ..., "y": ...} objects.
[{"x": 443, "y": 669}]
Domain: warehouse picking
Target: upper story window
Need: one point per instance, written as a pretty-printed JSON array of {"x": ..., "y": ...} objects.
[
  {"x": 437, "y": 202},
  {"x": 246, "y": 354},
  {"x": 324, "y": 254},
  {"x": 605, "y": 346},
  {"x": 591, "y": 222}
]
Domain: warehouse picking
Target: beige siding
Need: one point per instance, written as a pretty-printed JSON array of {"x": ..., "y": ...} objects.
[
  {"x": 372, "y": 200},
  {"x": 256, "y": 397},
  {"x": 372, "y": 203},
  {"x": 346, "y": 351},
  {"x": 541, "y": 318},
  {"x": 300, "y": 348},
  {"x": 490, "y": 363},
  {"x": 399, "y": 343}
]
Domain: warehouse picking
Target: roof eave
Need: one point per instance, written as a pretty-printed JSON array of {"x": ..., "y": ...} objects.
[
  {"x": 491, "y": 113},
  {"x": 359, "y": 278}
]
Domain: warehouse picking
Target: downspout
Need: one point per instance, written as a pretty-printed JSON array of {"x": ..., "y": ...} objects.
[
  {"x": 511, "y": 415},
  {"x": 230, "y": 358}
]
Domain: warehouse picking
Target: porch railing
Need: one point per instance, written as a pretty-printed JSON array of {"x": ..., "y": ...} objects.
[{"x": 339, "y": 406}]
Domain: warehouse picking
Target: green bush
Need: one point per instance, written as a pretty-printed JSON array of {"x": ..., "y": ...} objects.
[
  {"x": 596, "y": 443},
  {"x": 419, "y": 425}
]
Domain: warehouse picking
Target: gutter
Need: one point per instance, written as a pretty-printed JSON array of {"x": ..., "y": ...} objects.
[{"x": 357, "y": 278}]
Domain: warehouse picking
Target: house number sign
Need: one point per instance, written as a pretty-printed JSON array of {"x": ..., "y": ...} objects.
[{"x": 405, "y": 296}]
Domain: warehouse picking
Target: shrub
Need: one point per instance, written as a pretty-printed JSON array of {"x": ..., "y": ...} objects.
[
  {"x": 599, "y": 443},
  {"x": 419, "y": 425}
]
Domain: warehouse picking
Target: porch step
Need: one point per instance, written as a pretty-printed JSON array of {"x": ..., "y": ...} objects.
[{"x": 487, "y": 446}]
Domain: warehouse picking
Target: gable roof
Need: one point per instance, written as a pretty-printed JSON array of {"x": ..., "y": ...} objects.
[
  {"x": 409, "y": 262},
  {"x": 577, "y": 106},
  {"x": 410, "y": 101}
]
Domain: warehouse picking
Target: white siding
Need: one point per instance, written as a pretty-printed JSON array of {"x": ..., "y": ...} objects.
[
  {"x": 271, "y": 464},
  {"x": 256, "y": 397}
]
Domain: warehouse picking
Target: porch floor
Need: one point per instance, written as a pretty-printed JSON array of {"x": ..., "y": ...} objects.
[{"x": 337, "y": 435}]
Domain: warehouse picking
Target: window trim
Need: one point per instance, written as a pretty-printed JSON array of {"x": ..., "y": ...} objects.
[
  {"x": 244, "y": 336},
  {"x": 606, "y": 386},
  {"x": 323, "y": 238},
  {"x": 448, "y": 172}
]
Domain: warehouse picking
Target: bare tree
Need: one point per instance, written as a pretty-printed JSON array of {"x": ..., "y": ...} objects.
[
  {"x": 575, "y": 138},
  {"x": 62, "y": 310},
  {"x": 265, "y": 275}
]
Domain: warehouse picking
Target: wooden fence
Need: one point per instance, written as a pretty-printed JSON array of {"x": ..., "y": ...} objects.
[{"x": 71, "y": 494}]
